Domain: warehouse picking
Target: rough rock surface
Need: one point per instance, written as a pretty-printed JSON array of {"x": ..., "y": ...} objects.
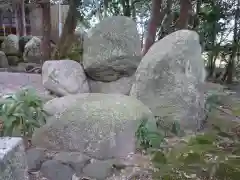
[
  {"x": 112, "y": 49},
  {"x": 64, "y": 77},
  {"x": 120, "y": 86},
  {"x": 74, "y": 159},
  {"x": 32, "y": 50},
  {"x": 169, "y": 77},
  {"x": 3, "y": 60},
  {"x": 10, "y": 44},
  {"x": 101, "y": 125},
  {"x": 99, "y": 169},
  {"x": 55, "y": 170},
  {"x": 132, "y": 167},
  {"x": 12, "y": 159},
  {"x": 35, "y": 158}
]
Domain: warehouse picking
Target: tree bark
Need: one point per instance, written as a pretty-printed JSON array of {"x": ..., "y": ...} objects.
[
  {"x": 165, "y": 20},
  {"x": 67, "y": 36},
  {"x": 231, "y": 64},
  {"x": 126, "y": 8},
  {"x": 185, "y": 12},
  {"x": 196, "y": 18},
  {"x": 46, "y": 21},
  {"x": 152, "y": 25},
  {"x": 20, "y": 17}
]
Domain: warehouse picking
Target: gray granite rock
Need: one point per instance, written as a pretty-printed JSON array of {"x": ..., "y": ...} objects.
[
  {"x": 112, "y": 49},
  {"x": 102, "y": 126},
  {"x": 13, "y": 164},
  {"x": 35, "y": 158},
  {"x": 99, "y": 170},
  {"x": 169, "y": 78},
  {"x": 64, "y": 77},
  {"x": 75, "y": 160},
  {"x": 55, "y": 170},
  {"x": 3, "y": 60}
]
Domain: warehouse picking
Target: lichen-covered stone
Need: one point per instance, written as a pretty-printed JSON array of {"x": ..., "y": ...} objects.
[
  {"x": 10, "y": 44},
  {"x": 55, "y": 170},
  {"x": 64, "y": 77},
  {"x": 169, "y": 78},
  {"x": 13, "y": 163},
  {"x": 3, "y": 60},
  {"x": 101, "y": 125},
  {"x": 112, "y": 49},
  {"x": 75, "y": 160},
  {"x": 32, "y": 50}
]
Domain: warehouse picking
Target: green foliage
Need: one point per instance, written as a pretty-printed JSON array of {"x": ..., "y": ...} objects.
[
  {"x": 150, "y": 135},
  {"x": 21, "y": 113},
  {"x": 75, "y": 52}
]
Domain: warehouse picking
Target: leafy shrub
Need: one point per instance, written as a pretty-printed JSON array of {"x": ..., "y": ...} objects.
[{"x": 21, "y": 113}]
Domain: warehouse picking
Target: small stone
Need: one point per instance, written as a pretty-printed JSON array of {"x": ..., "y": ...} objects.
[
  {"x": 55, "y": 170},
  {"x": 35, "y": 158},
  {"x": 74, "y": 159},
  {"x": 99, "y": 170}
]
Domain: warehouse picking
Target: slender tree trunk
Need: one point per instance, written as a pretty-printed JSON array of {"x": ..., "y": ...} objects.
[
  {"x": 20, "y": 17},
  {"x": 98, "y": 6},
  {"x": 152, "y": 25},
  {"x": 234, "y": 48},
  {"x": 185, "y": 12},
  {"x": 196, "y": 18},
  {"x": 126, "y": 8},
  {"x": 67, "y": 36},
  {"x": 46, "y": 21},
  {"x": 133, "y": 8},
  {"x": 105, "y": 7},
  {"x": 165, "y": 20}
]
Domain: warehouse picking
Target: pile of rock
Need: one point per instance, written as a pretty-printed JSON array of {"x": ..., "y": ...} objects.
[
  {"x": 20, "y": 54},
  {"x": 102, "y": 101}
]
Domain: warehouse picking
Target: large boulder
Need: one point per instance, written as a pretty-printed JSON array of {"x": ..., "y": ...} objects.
[
  {"x": 120, "y": 86},
  {"x": 170, "y": 77},
  {"x": 64, "y": 77},
  {"x": 10, "y": 44},
  {"x": 32, "y": 50},
  {"x": 102, "y": 126},
  {"x": 112, "y": 49},
  {"x": 3, "y": 60}
]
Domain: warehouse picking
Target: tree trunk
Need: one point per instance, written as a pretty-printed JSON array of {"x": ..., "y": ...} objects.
[
  {"x": 67, "y": 36},
  {"x": 20, "y": 17},
  {"x": 196, "y": 18},
  {"x": 133, "y": 8},
  {"x": 165, "y": 20},
  {"x": 152, "y": 25},
  {"x": 185, "y": 12},
  {"x": 98, "y": 14},
  {"x": 46, "y": 21},
  {"x": 126, "y": 8},
  {"x": 235, "y": 46}
]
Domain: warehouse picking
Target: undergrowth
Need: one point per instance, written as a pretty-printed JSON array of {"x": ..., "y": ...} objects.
[{"x": 213, "y": 154}]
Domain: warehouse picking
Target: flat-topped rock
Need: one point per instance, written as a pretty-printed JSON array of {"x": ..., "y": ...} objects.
[{"x": 13, "y": 165}]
